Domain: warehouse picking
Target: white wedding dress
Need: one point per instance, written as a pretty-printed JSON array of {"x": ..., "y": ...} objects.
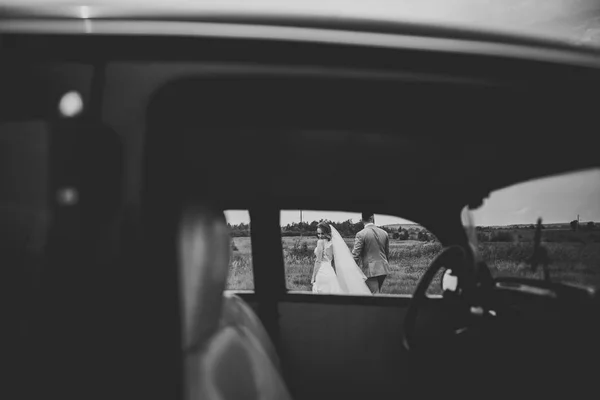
[
  {"x": 325, "y": 281},
  {"x": 347, "y": 278}
]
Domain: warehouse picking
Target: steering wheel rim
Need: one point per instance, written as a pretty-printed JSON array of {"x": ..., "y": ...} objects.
[{"x": 452, "y": 254}]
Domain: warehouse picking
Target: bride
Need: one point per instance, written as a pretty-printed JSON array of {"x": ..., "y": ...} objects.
[{"x": 331, "y": 250}]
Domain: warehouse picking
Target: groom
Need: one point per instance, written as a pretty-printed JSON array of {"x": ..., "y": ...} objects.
[{"x": 372, "y": 247}]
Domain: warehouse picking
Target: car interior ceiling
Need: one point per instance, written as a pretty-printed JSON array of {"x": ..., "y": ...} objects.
[
  {"x": 302, "y": 122},
  {"x": 266, "y": 134}
]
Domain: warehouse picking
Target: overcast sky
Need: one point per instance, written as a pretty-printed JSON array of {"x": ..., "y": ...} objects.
[{"x": 556, "y": 199}]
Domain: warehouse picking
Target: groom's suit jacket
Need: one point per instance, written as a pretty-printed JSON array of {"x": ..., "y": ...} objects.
[{"x": 372, "y": 249}]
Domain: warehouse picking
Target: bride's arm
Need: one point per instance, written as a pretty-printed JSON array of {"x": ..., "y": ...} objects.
[{"x": 319, "y": 253}]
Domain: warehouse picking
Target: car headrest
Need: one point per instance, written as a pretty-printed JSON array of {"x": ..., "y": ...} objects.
[{"x": 204, "y": 262}]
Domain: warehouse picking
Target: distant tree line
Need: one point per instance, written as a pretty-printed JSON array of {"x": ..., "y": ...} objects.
[
  {"x": 239, "y": 230},
  {"x": 575, "y": 226},
  {"x": 490, "y": 228},
  {"x": 346, "y": 228}
]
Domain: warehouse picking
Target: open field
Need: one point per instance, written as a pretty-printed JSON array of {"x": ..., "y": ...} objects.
[
  {"x": 550, "y": 235},
  {"x": 575, "y": 259}
]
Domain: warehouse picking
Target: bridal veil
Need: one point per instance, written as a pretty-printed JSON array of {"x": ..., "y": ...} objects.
[{"x": 351, "y": 278}]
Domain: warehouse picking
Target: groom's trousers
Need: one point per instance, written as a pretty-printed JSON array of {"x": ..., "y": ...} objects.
[{"x": 375, "y": 283}]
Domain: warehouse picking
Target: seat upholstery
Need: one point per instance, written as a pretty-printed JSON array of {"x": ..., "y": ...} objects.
[
  {"x": 235, "y": 366},
  {"x": 224, "y": 370},
  {"x": 237, "y": 313},
  {"x": 227, "y": 353}
]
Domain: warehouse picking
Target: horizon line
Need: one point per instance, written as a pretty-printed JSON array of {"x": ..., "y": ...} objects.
[{"x": 415, "y": 223}]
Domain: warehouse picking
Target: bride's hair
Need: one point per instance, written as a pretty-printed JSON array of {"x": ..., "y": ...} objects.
[{"x": 326, "y": 229}]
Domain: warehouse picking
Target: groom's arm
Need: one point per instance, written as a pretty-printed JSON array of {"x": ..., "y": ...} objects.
[{"x": 358, "y": 247}]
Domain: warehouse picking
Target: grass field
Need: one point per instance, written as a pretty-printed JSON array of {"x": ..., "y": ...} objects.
[{"x": 575, "y": 259}]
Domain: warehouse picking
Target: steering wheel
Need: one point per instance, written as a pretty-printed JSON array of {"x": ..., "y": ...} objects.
[{"x": 452, "y": 255}]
